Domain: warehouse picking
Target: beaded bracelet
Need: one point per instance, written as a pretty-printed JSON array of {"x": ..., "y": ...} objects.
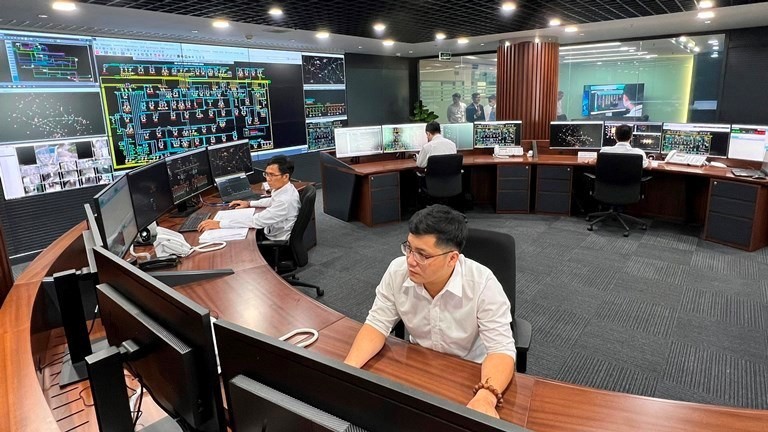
[{"x": 486, "y": 385}]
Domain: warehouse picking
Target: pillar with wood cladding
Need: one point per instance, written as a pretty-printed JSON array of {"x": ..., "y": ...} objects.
[{"x": 527, "y": 74}]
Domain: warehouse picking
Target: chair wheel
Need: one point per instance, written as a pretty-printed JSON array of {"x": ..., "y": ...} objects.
[
  {"x": 626, "y": 234},
  {"x": 589, "y": 228},
  {"x": 320, "y": 293}
]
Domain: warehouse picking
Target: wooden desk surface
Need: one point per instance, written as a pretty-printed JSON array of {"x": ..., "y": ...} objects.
[{"x": 257, "y": 298}]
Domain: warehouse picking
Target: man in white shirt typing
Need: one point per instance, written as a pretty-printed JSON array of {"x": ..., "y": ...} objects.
[
  {"x": 623, "y": 134},
  {"x": 447, "y": 302},
  {"x": 436, "y": 145}
]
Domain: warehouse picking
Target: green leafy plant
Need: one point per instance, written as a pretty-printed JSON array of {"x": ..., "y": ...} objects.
[{"x": 422, "y": 114}]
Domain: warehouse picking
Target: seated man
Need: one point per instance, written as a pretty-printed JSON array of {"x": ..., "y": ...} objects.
[
  {"x": 447, "y": 302},
  {"x": 282, "y": 206},
  {"x": 623, "y": 134},
  {"x": 436, "y": 145}
]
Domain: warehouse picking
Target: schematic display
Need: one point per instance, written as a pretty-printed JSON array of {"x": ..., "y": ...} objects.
[
  {"x": 689, "y": 142},
  {"x": 321, "y": 135},
  {"x": 493, "y": 134},
  {"x": 576, "y": 135},
  {"x": 189, "y": 174},
  {"x": 157, "y": 109},
  {"x": 323, "y": 70},
  {"x": 325, "y": 103},
  {"x": 37, "y": 61}
]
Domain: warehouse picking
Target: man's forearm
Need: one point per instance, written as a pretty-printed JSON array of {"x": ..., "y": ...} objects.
[
  {"x": 497, "y": 371},
  {"x": 367, "y": 344}
]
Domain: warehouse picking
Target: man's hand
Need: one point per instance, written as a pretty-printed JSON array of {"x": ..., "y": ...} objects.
[
  {"x": 484, "y": 402},
  {"x": 208, "y": 224},
  {"x": 239, "y": 204}
]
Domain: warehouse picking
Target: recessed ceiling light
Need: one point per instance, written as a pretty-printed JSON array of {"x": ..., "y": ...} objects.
[
  {"x": 707, "y": 22},
  {"x": 571, "y": 29},
  {"x": 471, "y": 57},
  {"x": 67, "y": 6},
  {"x": 682, "y": 38},
  {"x": 439, "y": 36},
  {"x": 706, "y": 15},
  {"x": 322, "y": 35},
  {"x": 482, "y": 44},
  {"x": 462, "y": 41},
  {"x": 599, "y": 62},
  {"x": 195, "y": 31},
  {"x": 360, "y": 47},
  {"x": 697, "y": 49},
  {"x": 706, "y": 4},
  {"x": 276, "y": 12},
  {"x": 714, "y": 55},
  {"x": 42, "y": 16},
  {"x": 379, "y": 26},
  {"x": 713, "y": 41},
  {"x": 554, "y": 22},
  {"x": 537, "y": 40},
  {"x": 410, "y": 52},
  {"x": 508, "y": 6},
  {"x": 388, "y": 42},
  {"x": 507, "y": 43},
  {"x": 219, "y": 23}
]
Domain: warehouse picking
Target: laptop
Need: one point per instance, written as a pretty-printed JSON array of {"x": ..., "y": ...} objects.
[
  {"x": 235, "y": 187},
  {"x": 749, "y": 172}
]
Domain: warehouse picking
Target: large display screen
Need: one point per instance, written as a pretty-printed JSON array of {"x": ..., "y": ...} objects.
[
  {"x": 645, "y": 135},
  {"x": 325, "y": 98},
  {"x": 459, "y": 133},
  {"x": 692, "y": 138},
  {"x": 358, "y": 141},
  {"x": 616, "y": 100},
  {"x": 404, "y": 137},
  {"x": 748, "y": 142},
  {"x": 501, "y": 133},
  {"x": 568, "y": 135}
]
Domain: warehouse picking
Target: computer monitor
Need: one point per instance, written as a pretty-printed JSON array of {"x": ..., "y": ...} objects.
[
  {"x": 695, "y": 138},
  {"x": 173, "y": 355},
  {"x": 748, "y": 142},
  {"x": 113, "y": 212},
  {"x": 459, "y": 133},
  {"x": 404, "y": 137},
  {"x": 358, "y": 141},
  {"x": 189, "y": 173},
  {"x": 616, "y": 100},
  {"x": 230, "y": 158},
  {"x": 498, "y": 133},
  {"x": 348, "y": 393},
  {"x": 576, "y": 135},
  {"x": 150, "y": 192},
  {"x": 645, "y": 135}
]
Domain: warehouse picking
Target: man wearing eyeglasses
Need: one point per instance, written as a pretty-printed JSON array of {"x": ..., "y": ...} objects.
[
  {"x": 447, "y": 302},
  {"x": 281, "y": 207}
]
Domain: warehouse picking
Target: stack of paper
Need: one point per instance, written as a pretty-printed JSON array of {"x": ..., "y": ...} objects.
[
  {"x": 224, "y": 234},
  {"x": 236, "y": 214}
]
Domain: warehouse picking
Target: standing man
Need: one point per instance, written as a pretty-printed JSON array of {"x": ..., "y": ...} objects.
[
  {"x": 457, "y": 110},
  {"x": 560, "y": 113},
  {"x": 475, "y": 111},
  {"x": 436, "y": 145},
  {"x": 490, "y": 113},
  {"x": 447, "y": 302},
  {"x": 623, "y": 134}
]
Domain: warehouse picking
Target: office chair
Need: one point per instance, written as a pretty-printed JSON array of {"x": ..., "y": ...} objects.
[
  {"x": 496, "y": 251},
  {"x": 290, "y": 255},
  {"x": 617, "y": 181},
  {"x": 442, "y": 179}
]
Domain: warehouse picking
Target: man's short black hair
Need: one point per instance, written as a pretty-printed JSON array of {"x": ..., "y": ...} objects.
[
  {"x": 446, "y": 224},
  {"x": 475, "y": 95},
  {"x": 284, "y": 165},
  {"x": 433, "y": 127},
  {"x": 491, "y": 97},
  {"x": 456, "y": 95},
  {"x": 623, "y": 133}
]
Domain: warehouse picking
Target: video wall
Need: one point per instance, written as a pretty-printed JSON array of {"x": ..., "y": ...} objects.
[{"x": 148, "y": 100}]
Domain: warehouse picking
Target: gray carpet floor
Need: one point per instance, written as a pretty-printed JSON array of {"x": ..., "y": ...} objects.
[{"x": 661, "y": 313}]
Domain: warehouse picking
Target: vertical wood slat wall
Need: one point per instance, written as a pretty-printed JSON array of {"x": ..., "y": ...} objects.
[
  {"x": 6, "y": 273},
  {"x": 527, "y": 75}
]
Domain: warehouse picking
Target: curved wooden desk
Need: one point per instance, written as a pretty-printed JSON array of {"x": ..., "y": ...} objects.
[{"x": 257, "y": 298}]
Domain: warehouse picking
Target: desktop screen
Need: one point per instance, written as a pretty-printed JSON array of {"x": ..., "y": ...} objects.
[
  {"x": 358, "y": 141},
  {"x": 748, "y": 142},
  {"x": 189, "y": 173},
  {"x": 645, "y": 136},
  {"x": 566, "y": 135},
  {"x": 404, "y": 137},
  {"x": 231, "y": 158},
  {"x": 692, "y": 138},
  {"x": 150, "y": 192},
  {"x": 115, "y": 212},
  {"x": 501, "y": 133},
  {"x": 460, "y": 134}
]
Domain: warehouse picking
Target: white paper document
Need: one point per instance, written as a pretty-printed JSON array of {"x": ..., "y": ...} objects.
[
  {"x": 236, "y": 214},
  {"x": 224, "y": 234}
]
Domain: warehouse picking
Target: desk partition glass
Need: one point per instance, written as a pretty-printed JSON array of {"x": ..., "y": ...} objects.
[
  {"x": 459, "y": 133},
  {"x": 358, "y": 141},
  {"x": 404, "y": 137},
  {"x": 499, "y": 133},
  {"x": 695, "y": 138},
  {"x": 645, "y": 135},
  {"x": 576, "y": 135},
  {"x": 748, "y": 142}
]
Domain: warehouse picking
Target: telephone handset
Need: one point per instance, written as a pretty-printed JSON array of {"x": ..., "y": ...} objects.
[
  {"x": 170, "y": 242},
  {"x": 676, "y": 157},
  {"x": 507, "y": 151}
]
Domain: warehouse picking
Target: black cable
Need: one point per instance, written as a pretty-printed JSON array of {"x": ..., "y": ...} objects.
[
  {"x": 53, "y": 361},
  {"x": 82, "y": 399},
  {"x": 93, "y": 321},
  {"x": 138, "y": 406}
]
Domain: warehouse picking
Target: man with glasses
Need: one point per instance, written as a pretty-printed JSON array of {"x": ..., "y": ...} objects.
[
  {"x": 281, "y": 207},
  {"x": 447, "y": 302}
]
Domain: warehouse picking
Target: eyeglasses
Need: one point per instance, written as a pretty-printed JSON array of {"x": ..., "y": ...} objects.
[
  {"x": 420, "y": 258},
  {"x": 270, "y": 175}
]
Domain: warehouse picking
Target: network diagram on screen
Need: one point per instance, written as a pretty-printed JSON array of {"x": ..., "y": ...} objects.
[{"x": 50, "y": 62}]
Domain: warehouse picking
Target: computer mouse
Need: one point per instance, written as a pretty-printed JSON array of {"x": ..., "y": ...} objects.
[{"x": 718, "y": 164}]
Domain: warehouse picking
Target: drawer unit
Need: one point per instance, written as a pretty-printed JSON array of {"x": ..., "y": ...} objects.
[
  {"x": 736, "y": 214},
  {"x": 381, "y": 199},
  {"x": 553, "y": 189},
  {"x": 513, "y": 188}
]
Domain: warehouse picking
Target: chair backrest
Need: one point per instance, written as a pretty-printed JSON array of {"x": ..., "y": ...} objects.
[
  {"x": 443, "y": 175},
  {"x": 296, "y": 240},
  {"x": 496, "y": 251},
  {"x": 618, "y": 177}
]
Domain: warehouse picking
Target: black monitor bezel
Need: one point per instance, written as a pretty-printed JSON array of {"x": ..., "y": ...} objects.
[
  {"x": 714, "y": 125},
  {"x": 592, "y": 122},
  {"x": 213, "y": 148},
  {"x": 98, "y": 214},
  {"x": 187, "y": 154},
  {"x": 159, "y": 212}
]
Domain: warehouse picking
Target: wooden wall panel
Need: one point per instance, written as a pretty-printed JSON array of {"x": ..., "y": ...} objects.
[
  {"x": 527, "y": 74},
  {"x": 6, "y": 272}
]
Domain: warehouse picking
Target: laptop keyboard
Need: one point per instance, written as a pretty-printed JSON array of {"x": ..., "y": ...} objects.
[{"x": 193, "y": 221}]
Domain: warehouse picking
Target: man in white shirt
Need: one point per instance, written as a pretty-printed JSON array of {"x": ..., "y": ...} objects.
[
  {"x": 623, "y": 133},
  {"x": 282, "y": 206},
  {"x": 436, "y": 145},
  {"x": 490, "y": 113},
  {"x": 447, "y": 302},
  {"x": 560, "y": 112},
  {"x": 457, "y": 110}
]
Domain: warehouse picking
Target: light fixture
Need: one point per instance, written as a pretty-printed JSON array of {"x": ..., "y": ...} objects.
[
  {"x": 571, "y": 29},
  {"x": 507, "y": 43},
  {"x": 439, "y": 36},
  {"x": 508, "y": 6},
  {"x": 471, "y": 57},
  {"x": 696, "y": 49},
  {"x": 682, "y": 38},
  {"x": 713, "y": 42},
  {"x": 705, "y": 15},
  {"x": 42, "y": 16},
  {"x": 715, "y": 55},
  {"x": 322, "y": 34},
  {"x": 379, "y": 27},
  {"x": 537, "y": 40},
  {"x": 706, "y": 4},
  {"x": 554, "y": 22},
  {"x": 590, "y": 45},
  {"x": 220, "y": 23},
  {"x": 387, "y": 42},
  {"x": 462, "y": 41},
  {"x": 276, "y": 12},
  {"x": 67, "y": 6},
  {"x": 598, "y": 51},
  {"x": 707, "y": 22},
  {"x": 599, "y": 62},
  {"x": 359, "y": 47},
  {"x": 195, "y": 31}
]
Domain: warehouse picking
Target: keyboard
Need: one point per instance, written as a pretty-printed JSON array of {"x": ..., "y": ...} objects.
[
  {"x": 193, "y": 221},
  {"x": 747, "y": 172}
]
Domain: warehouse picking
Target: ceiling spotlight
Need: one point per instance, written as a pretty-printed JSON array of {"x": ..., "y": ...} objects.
[
  {"x": 388, "y": 42},
  {"x": 571, "y": 29},
  {"x": 379, "y": 27},
  {"x": 508, "y": 6},
  {"x": 42, "y": 16},
  {"x": 707, "y": 22},
  {"x": 276, "y": 12},
  {"x": 195, "y": 31},
  {"x": 322, "y": 35},
  {"x": 462, "y": 41},
  {"x": 219, "y": 23},
  {"x": 682, "y": 38},
  {"x": 696, "y": 49},
  {"x": 537, "y": 40},
  {"x": 66, "y": 6},
  {"x": 713, "y": 42},
  {"x": 439, "y": 36},
  {"x": 554, "y": 22},
  {"x": 714, "y": 55},
  {"x": 706, "y": 4},
  {"x": 706, "y": 15}
]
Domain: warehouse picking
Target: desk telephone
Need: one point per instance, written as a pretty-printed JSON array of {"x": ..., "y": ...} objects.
[
  {"x": 676, "y": 157},
  {"x": 505, "y": 152},
  {"x": 170, "y": 242}
]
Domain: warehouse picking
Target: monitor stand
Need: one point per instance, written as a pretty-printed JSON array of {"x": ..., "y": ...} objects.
[
  {"x": 183, "y": 209},
  {"x": 181, "y": 277}
]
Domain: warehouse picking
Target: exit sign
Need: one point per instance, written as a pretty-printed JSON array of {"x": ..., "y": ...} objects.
[{"x": 445, "y": 56}]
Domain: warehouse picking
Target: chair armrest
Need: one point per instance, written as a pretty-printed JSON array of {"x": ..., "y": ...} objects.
[
  {"x": 522, "y": 333},
  {"x": 590, "y": 175},
  {"x": 646, "y": 178},
  {"x": 274, "y": 243}
]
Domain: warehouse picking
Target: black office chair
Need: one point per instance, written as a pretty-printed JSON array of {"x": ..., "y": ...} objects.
[
  {"x": 496, "y": 251},
  {"x": 618, "y": 181},
  {"x": 290, "y": 255},
  {"x": 442, "y": 178}
]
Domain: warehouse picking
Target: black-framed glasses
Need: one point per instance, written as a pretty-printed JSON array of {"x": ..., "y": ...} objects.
[
  {"x": 420, "y": 258},
  {"x": 270, "y": 175}
]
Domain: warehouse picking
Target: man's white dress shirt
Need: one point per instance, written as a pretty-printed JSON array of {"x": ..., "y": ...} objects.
[
  {"x": 438, "y": 146},
  {"x": 277, "y": 219}
]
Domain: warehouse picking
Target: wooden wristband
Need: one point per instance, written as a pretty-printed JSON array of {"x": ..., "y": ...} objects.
[{"x": 486, "y": 385}]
